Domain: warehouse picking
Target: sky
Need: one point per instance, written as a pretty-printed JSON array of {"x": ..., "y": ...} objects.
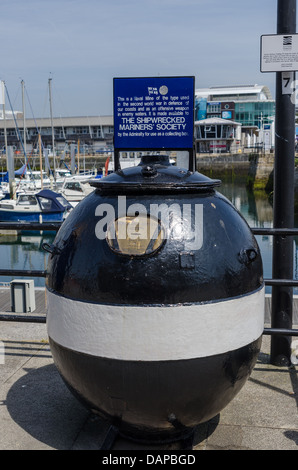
[{"x": 81, "y": 45}]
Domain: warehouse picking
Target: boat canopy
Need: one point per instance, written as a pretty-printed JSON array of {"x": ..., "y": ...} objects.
[
  {"x": 21, "y": 171},
  {"x": 5, "y": 175},
  {"x": 50, "y": 201}
]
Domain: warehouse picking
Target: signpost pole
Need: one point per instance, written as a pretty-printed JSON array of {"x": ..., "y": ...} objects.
[
  {"x": 116, "y": 160},
  {"x": 192, "y": 160},
  {"x": 283, "y": 204}
]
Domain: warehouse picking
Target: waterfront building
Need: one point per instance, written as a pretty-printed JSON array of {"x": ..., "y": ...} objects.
[
  {"x": 252, "y": 106},
  {"x": 93, "y": 133},
  {"x": 9, "y": 114},
  {"x": 217, "y": 135}
]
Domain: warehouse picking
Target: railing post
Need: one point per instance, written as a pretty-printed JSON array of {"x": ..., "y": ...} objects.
[{"x": 283, "y": 203}]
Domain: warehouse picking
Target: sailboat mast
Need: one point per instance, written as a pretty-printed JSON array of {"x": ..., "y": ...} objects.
[
  {"x": 40, "y": 160},
  {"x": 2, "y": 100},
  {"x": 51, "y": 113},
  {"x": 24, "y": 120},
  {"x": 4, "y": 119}
]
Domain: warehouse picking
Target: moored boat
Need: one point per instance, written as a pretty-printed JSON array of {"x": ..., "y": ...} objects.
[
  {"x": 44, "y": 206},
  {"x": 76, "y": 188}
]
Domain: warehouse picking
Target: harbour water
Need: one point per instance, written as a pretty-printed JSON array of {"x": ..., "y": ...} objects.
[
  {"x": 24, "y": 251},
  {"x": 256, "y": 207}
]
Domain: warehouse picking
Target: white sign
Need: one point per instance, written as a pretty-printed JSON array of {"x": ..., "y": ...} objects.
[{"x": 279, "y": 53}]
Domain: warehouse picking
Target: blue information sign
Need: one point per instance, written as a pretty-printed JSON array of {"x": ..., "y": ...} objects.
[{"x": 154, "y": 113}]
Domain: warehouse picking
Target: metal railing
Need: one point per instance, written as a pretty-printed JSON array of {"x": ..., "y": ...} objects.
[
  {"x": 283, "y": 232},
  {"x": 33, "y": 226}
]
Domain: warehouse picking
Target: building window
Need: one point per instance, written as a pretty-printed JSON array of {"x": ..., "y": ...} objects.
[
  {"x": 213, "y": 108},
  {"x": 210, "y": 132}
]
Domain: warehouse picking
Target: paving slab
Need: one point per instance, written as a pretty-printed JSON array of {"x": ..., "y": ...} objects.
[{"x": 38, "y": 412}]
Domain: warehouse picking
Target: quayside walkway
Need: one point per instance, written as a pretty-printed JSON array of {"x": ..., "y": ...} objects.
[{"x": 38, "y": 412}]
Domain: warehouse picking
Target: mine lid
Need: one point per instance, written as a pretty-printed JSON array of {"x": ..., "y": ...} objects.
[{"x": 154, "y": 174}]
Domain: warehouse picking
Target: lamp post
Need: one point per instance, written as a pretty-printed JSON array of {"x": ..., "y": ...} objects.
[{"x": 283, "y": 203}]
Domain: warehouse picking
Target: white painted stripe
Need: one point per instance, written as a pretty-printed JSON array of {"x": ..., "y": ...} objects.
[{"x": 156, "y": 333}]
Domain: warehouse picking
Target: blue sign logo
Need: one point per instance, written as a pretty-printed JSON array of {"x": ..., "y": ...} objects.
[{"x": 154, "y": 113}]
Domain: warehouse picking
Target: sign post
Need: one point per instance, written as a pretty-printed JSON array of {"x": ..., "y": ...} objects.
[
  {"x": 155, "y": 113},
  {"x": 279, "y": 53}
]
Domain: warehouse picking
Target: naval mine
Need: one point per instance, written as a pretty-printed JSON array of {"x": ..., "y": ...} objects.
[{"x": 155, "y": 299}]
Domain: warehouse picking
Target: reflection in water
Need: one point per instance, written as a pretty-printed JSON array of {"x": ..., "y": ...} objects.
[
  {"x": 254, "y": 206},
  {"x": 24, "y": 251},
  {"x": 258, "y": 212}
]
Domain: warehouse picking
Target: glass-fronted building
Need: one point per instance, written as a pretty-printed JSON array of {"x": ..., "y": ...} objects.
[
  {"x": 251, "y": 106},
  {"x": 254, "y": 113}
]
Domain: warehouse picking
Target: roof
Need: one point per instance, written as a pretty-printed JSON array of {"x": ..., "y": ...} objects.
[
  {"x": 58, "y": 202},
  {"x": 213, "y": 121},
  {"x": 235, "y": 90}
]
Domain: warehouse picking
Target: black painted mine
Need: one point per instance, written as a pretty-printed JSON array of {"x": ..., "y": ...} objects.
[
  {"x": 141, "y": 395},
  {"x": 86, "y": 268}
]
